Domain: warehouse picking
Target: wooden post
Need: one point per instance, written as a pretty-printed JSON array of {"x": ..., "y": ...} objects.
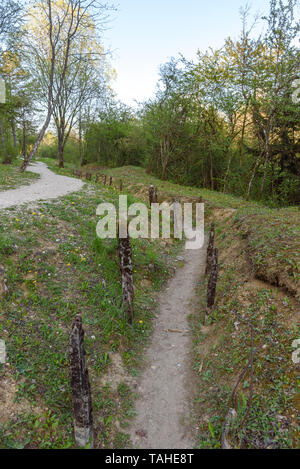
[
  {"x": 210, "y": 248},
  {"x": 121, "y": 185},
  {"x": 80, "y": 386},
  {"x": 212, "y": 282},
  {"x": 125, "y": 255},
  {"x": 151, "y": 195},
  {"x": 110, "y": 180},
  {"x": 177, "y": 218},
  {"x": 104, "y": 180}
]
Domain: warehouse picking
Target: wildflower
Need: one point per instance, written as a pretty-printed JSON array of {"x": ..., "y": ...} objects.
[
  {"x": 34, "y": 281},
  {"x": 68, "y": 264},
  {"x": 73, "y": 203},
  {"x": 83, "y": 259},
  {"x": 140, "y": 321},
  {"x": 17, "y": 219},
  {"x": 33, "y": 213}
]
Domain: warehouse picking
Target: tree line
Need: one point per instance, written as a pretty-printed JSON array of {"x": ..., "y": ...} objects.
[
  {"x": 228, "y": 121},
  {"x": 55, "y": 68}
]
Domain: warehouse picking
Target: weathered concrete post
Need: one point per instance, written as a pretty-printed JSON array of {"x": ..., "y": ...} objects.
[
  {"x": 80, "y": 385},
  {"x": 125, "y": 255},
  {"x": 152, "y": 195},
  {"x": 210, "y": 248},
  {"x": 212, "y": 282}
]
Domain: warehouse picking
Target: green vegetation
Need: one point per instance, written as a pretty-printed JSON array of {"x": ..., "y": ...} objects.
[
  {"x": 227, "y": 122},
  {"x": 224, "y": 128},
  {"x": 10, "y": 177},
  {"x": 56, "y": 267},
  {"x": 272, "y": 235},
  {"x": 223, "y": 348}
]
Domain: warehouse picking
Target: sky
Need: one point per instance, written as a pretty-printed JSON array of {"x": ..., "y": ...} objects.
[{"x": 144, "y": 34}]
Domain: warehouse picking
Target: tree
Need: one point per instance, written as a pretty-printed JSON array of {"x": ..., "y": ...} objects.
[
  {"x": 10, "y": 20},
  {"x": 52, "y": 29}
]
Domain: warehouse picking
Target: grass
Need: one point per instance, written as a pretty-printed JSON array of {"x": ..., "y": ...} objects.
[
  {"x": 272, "y": 234},
  {"x": 258, "y": 286},
  {"x": 56, "y": 267},
  {"x": 11, "y": 178},
  {"x": 222, "y": 349}
]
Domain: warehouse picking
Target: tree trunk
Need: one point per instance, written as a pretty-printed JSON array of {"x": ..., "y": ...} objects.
[
  {"x": 252, "y": 177},
  {"x": 37, "y": 143},
  {"x": 7, "y": 159},
  {"x": 13, "y": 132},
  {"x": 211, "y": 172},
  {"x": 241, "y": 144},
  {"x": 267, "y": 158},
  {"x": 227, "y": 172},
  {"x": 24, "y": 143},
  {"x": 60, "y": 142}
]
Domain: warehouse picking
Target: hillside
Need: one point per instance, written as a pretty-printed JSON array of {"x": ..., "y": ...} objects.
[{"x": 53, "y": 277}]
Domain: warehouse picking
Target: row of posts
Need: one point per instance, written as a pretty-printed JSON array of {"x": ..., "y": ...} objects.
[
  {"x": 80, "y": 384},
  {"x": 103, "y": 178}
]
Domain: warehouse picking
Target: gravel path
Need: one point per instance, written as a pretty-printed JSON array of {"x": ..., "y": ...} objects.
[
  {"x": 49, "y": 186},
  {"x": 166, "y": 387}
]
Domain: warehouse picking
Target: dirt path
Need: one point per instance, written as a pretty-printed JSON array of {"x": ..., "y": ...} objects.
[
  {"x": 166, "y": 389},
  {"x": 49, "y": 186}
]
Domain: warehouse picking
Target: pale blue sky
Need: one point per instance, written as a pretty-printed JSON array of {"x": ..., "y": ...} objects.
[{"x": 145, "y": 33}]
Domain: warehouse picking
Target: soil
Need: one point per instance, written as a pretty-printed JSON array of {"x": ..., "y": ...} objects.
[{"x": 166, "y": 387}]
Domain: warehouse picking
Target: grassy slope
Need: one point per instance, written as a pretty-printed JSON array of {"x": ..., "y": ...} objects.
[
  {"x": 10, "y": 177},
  {"x": 272, "y": 236},
  {"x": 222, "y": 349},
  {"x": 56, "y": 267},
  {"x": 259, "y": 287},
  {"x": 251, "y": 239}
]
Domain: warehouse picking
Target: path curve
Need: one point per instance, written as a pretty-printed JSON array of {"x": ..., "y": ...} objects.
[
  {"x": 49, "y": 186},
  {"x": 166, "y": 387}
]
